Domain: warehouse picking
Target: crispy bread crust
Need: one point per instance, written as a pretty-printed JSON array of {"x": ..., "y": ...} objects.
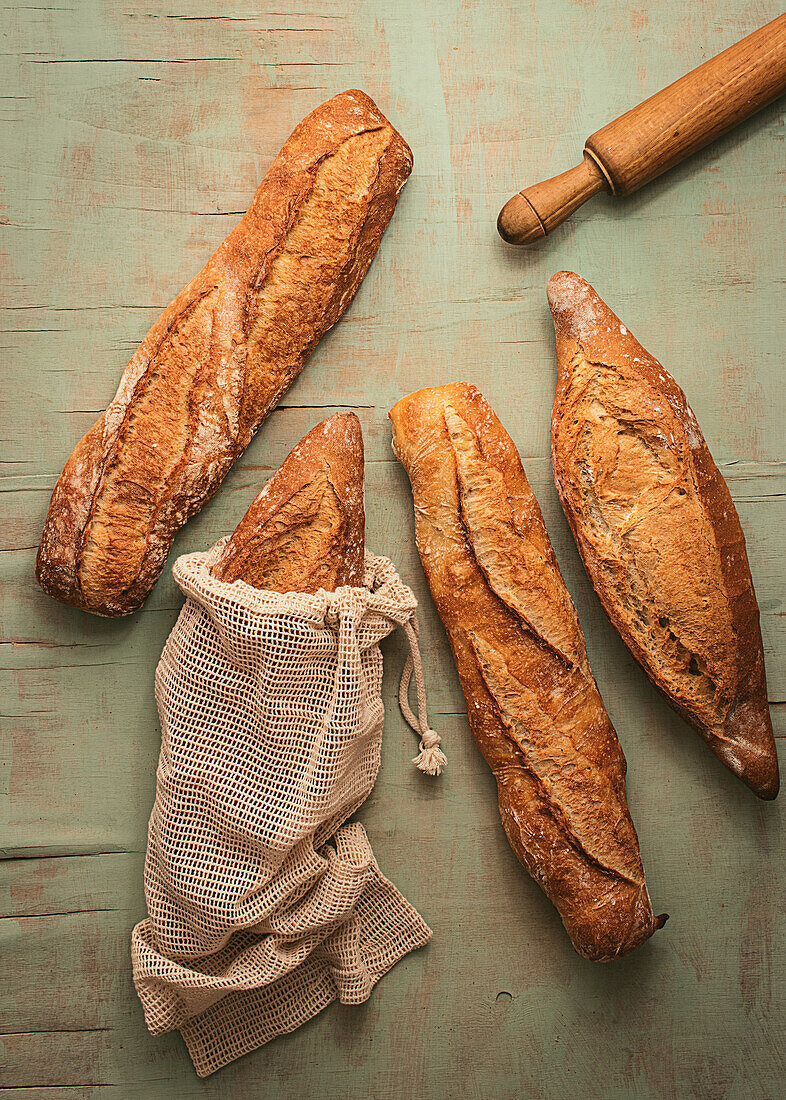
[
  {"x": 658, "y": 532},
  {"x": 306, "y": 529},
  {"x": 221, "y": 355},
  {"x": 533, "y": 706}
]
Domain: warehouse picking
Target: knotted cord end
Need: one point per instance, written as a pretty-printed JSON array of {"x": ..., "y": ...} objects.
[{"x": 431, "y": 759}]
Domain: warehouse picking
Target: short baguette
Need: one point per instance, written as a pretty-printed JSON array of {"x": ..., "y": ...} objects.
[
  {"x": 306, "y": 529},
  {"x": 533, "y": 706},
  {"x": 658, "y": 532},
  {"x": 221, "y": 355}
]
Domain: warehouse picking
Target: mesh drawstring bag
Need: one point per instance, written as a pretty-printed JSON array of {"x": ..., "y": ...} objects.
[{"x": 263, "y": 905}]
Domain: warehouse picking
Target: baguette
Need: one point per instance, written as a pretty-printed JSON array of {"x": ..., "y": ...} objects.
[
  {"x": 533, "y": 706},
  {"x": 658, "y": 532},
  {"x": 221, "y": 355},
  {"x": 306, "y": 529}
]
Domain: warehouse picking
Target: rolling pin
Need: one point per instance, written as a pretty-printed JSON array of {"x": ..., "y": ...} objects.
[{"x": 662, "y": 131}]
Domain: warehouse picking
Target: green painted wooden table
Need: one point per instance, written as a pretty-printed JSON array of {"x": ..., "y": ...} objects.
[{"x": 133, "y": 136}]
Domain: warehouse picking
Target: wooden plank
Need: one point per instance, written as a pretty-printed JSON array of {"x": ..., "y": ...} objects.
[{"x": 134, "y": 135}]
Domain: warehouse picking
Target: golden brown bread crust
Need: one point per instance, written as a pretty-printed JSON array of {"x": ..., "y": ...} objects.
[
  {"x": 221, "y": 355},
  {"x": 533, "y": 705},
  {"x": 658, "y": 532},
  {"x": 306, "y": 529}
]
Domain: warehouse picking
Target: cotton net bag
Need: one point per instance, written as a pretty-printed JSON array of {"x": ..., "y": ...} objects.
[{"x": 264, "y": 905}]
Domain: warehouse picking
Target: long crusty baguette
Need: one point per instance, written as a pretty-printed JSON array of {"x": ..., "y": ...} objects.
[
  {"x": 533, "y": 705},
  {"x": 306, "y": 529},
  {"x": 221, "y": 355},
  {"x": 658, "y": 532}
]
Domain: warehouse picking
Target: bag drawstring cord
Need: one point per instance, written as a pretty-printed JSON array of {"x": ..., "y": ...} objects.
[{"x": 431, "y": 759}]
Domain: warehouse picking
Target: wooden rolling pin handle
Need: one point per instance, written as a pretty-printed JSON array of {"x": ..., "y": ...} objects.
[{"x": 534, "y": 212}]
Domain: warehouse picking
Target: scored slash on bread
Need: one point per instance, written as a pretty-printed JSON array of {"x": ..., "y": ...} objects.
[
  {"x": 221, "y": 356},
  {"x": 657, "y": 530},
  {"x": 306, "y": 529},
  {"x": 533, "y": 706}
]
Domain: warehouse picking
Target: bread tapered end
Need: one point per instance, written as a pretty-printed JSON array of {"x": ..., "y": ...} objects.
[
  {"x": 693, "y": 623},
  {"x": 306, "y": 529},
  {"x": 573, "y": 303},
  {"x": 767, "y": 781},
  {"x": 746, "y": 745},
  {"x": 582, "y": 317}
]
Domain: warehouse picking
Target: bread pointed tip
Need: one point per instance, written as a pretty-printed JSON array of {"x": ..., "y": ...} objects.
[
  {"x": 342, "y": 441},
  {"x": 305, "y": 529},
  {"x": 356, "y": 94},
  {"x": 765, "y": 781},
  {"x": 746, "y": 745},
  {"x": 771, "y": 791},
  {"x": 347, "y": 421},
  {"x": 362, "y": 99},
  {"x": 575, "y": 306}
]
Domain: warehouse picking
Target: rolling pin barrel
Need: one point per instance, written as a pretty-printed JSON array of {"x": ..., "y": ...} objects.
[
  {"x": 659, "y": 133},
  {"x": 678, "y": 121}
]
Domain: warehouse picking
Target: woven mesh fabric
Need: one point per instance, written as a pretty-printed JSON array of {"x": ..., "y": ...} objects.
[{"x": 263, "y": 905}]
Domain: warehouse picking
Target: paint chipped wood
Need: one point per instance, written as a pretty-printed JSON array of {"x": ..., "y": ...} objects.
[{"x": 134, "y": 137}]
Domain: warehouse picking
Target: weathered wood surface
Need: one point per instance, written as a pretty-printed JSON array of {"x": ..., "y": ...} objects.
[{"x": 133, "y": 136}]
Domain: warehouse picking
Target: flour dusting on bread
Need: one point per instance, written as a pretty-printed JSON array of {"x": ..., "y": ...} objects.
[
  {"x": 533, "y": 705},
  {"x": 657, "y": 530},
  {"x": 221, "y": 356}
]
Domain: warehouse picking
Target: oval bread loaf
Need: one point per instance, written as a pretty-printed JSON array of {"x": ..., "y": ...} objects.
[
  {"x": 221, "y": 355},
  {"x": 658, "y": 532},
  {"x": 533, "y": 706}
]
